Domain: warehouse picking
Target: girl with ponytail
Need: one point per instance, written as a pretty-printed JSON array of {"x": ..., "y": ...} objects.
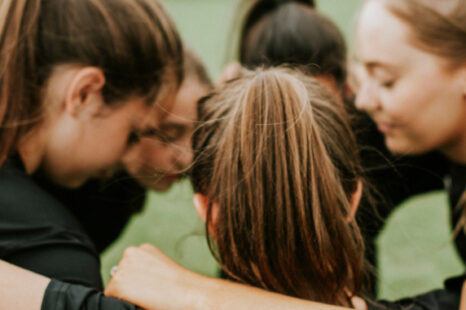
[
  {"x": 304, "y": 38},
  {"x": 276, "y": 172}
]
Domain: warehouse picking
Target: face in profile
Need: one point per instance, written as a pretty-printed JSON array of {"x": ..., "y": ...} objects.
[
  {"x": 416, "y": 98},
  {"x": 82, "y": 136},
  {"x": 160, "y": 160},
  {"x": 93, "y": 144}
]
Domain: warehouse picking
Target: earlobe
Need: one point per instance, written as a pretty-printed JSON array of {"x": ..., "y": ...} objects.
[
  {"x": 85, "y": 86},
  {"x": 201, "y": 204}
]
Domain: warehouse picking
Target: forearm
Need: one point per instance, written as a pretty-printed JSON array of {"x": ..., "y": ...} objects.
[
  {"x": 205, "y": 293},
  {"x": 151, "y": 280},
  {"x": 21, "y": 289},
  {"x": 224, "y": 295}
]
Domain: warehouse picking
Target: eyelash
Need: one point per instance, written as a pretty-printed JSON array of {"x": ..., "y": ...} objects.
[
  {"x": 165, "y": 138},
  {"x": 133, "y": 138}
]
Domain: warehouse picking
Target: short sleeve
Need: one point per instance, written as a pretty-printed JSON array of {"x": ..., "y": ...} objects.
[{"x": 65, "y": 296}]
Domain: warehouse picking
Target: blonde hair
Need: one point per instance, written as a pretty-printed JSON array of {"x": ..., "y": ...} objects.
[{"x": 277, "y": 154}]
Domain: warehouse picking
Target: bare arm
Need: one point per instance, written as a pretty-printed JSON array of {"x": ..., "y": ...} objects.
[
  {"x": 21, "y": 289},
  {"x": 151, "y": 280}
]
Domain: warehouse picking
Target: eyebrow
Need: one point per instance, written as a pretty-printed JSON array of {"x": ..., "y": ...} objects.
[
  {"x": 148, "y": 131},
  {"x": 374, "y": 64},
  {"x": 175, "y": 126}
]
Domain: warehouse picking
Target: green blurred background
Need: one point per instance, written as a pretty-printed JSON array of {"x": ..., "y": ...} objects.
[{"x": 415, "y": 247}]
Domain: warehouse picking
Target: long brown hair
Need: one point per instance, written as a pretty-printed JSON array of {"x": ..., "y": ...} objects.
[
  {"x": 276, "y": 153},
  {"x": 134, "y": 43}
]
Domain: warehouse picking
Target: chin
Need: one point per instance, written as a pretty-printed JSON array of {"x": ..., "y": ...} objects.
[
  {"x": 154, "y": 184},
  {"x": 71, "y": 183},
  {"x": 404, "y": 147}
]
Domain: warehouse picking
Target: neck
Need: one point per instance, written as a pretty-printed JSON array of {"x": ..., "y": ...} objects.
[
  {"x": 31, "y": 150},
  {"x": 457, "y": 151}
]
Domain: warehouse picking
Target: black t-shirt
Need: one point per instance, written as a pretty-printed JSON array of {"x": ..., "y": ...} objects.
[
  {"x": 448, "y": 298},
  {"x": 102, "y": 207},
  {"x": 40, "y": 234}
]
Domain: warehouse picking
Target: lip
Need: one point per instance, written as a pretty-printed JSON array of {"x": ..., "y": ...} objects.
[
  {"x": 172, "y": 177},
  {"x": 105, "y": 174},
  {"x": 385, "y": 128}
]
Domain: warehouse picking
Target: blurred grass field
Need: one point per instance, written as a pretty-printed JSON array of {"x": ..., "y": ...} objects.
[{"x": 416, "y": 249}]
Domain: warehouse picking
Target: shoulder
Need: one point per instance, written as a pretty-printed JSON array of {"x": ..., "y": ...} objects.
[
  {"x": 444, "y": 299},
  {"x": 21, "y": 199}
]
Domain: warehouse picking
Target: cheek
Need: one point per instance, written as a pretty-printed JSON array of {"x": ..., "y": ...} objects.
[
  {"x": 399, "y": 104},
  {"x": 111, "y": 148},
  {"x": 152, "y": 155}
]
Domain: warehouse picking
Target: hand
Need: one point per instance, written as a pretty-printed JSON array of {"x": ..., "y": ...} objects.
[
  {"x": 148, "y": 278},
  {"x": 151, "y": 280}
]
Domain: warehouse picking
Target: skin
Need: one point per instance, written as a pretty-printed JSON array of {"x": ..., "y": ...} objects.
[
  {"x": 68, "y": 147},
  {"x": 417, "y": 99},
  {"x": 160, "y": 160}
]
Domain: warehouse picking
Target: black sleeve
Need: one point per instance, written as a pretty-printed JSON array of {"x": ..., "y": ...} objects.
[
  {"x": 66, "y": 259},
  {"x": 448, "y": 298},
  {"x": 65, "y": 296},
  {"x": 39, "y": 233}
]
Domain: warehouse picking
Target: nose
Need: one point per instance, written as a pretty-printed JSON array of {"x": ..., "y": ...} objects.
[
  {"x": 365, "y": 97},
  {"x": 130, "y": 158}
]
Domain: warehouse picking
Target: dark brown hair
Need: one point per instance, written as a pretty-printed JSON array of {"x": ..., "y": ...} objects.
[
  {"x": 277, "y": 155},
  {"x": 134, "y": 43},
  {"x": 292, "y": 32}
]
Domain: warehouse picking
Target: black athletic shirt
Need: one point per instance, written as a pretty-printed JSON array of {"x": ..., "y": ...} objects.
[
  {"x": 40, "y": 234},
  {"x": 102, "y": 207},
  {"x": 448, "y": 298}
]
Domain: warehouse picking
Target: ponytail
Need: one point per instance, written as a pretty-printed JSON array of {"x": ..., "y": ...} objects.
[{"x": 277, "y": 156}]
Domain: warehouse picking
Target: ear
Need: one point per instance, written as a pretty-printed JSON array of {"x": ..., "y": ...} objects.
[
  {"x": 85, "y": 86},
  {"x": 356, "y": 199},
  {"x": 201, "y": 203}
]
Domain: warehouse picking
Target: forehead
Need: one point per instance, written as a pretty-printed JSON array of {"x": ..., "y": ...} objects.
[
  {"x": 184, "y": 106},
  {"x": 381, "y": 37}
]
